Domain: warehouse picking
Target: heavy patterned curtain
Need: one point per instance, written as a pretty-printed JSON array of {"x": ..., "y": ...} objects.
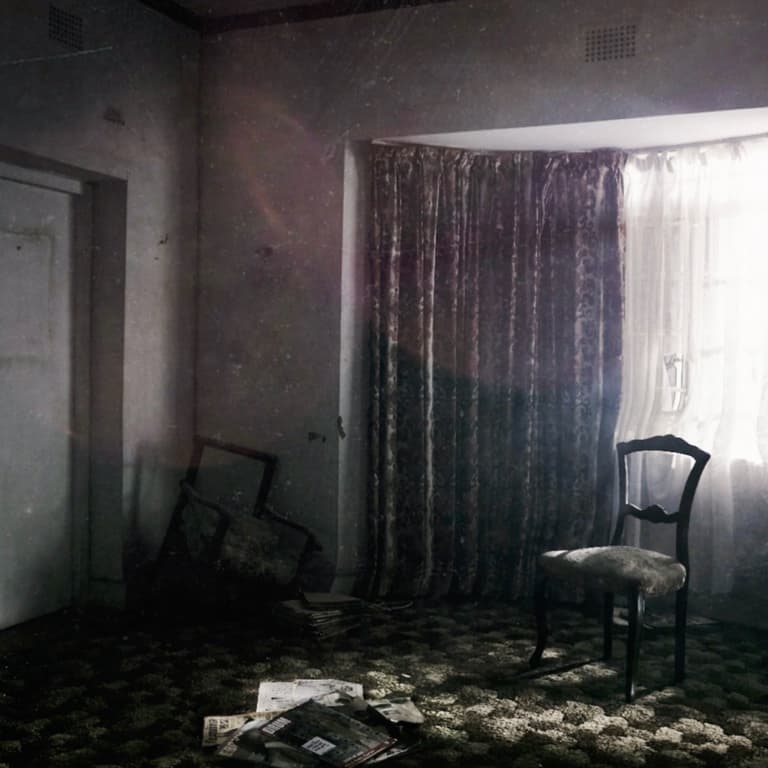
[{"x": 496, "y": 305}]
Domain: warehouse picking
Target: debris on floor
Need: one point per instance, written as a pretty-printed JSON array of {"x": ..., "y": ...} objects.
[
  {"x": 218, "y": 729},
  {"x": 310, "y": 722},
  {"x": 276, "y": 697},
  {"x": 320, "y": 615}
]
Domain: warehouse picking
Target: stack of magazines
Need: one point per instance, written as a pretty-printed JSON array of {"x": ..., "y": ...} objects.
[
  {"x": 321, "y": 614},
  {"x": 334, "y": 726}
]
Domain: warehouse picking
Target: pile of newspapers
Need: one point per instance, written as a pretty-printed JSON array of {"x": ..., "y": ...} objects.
[
  {"x": 321, "y": 614},
  {"x": 316, "y": 722}
]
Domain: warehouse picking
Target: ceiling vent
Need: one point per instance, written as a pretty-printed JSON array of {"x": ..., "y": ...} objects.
[
  {"x": 65, "y": 27},
  {"x": 607, "y": 43}
]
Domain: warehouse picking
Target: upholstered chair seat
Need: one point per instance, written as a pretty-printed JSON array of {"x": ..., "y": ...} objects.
[{"x": 617, "y": 569}]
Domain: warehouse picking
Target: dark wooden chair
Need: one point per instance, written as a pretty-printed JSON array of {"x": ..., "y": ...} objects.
[{"x": 638, "y": 573}]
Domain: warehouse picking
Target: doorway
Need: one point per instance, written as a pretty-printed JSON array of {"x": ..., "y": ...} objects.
[{"x": 40, "y": 528}]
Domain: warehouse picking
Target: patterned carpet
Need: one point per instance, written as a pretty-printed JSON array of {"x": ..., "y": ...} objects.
[{"x": 111, "y": 695}]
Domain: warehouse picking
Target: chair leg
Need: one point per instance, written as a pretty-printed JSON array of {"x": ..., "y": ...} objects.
[
  {"x": 681, "y": 614},
  {"x": 540, "y": 607},
  {"x": 607, "y": 626},
  {"x": 636, "y": 615}
]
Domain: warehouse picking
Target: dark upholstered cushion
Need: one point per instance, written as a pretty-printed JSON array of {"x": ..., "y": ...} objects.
[{"x": 616, "y": 569}]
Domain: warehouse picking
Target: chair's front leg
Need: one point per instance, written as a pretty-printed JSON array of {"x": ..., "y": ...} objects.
[
  {"x": 607, "y": 625},
  {"x": 681, "y": 612},
  {"x": 540, "y": 608},
  {"x": 636, "y": 601}
]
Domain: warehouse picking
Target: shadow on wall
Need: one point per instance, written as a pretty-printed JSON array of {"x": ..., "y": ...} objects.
[{"x": 152, "y": 497}]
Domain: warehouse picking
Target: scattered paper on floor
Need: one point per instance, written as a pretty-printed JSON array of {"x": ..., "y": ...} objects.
[{"x": 279, "y": 696}]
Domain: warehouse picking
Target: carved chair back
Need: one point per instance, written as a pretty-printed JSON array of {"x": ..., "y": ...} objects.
[{"x": 654, "y": 513}]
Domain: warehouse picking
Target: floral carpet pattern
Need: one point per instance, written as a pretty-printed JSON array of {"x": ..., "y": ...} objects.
[{"x": 113, "y": 695}]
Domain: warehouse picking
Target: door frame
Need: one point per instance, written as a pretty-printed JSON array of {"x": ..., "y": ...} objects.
[{"x": 98, "y": 301}]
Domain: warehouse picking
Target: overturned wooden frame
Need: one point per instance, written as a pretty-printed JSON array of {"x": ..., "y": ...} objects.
[
  {"x": 269, "y": 460},
  {"x": 257, "y": 507}
]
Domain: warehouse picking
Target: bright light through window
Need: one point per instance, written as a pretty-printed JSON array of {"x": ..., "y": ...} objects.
[{"x": 697, "y": 272}]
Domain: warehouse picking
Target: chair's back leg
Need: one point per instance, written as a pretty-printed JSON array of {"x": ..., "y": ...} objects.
[
  {"x": 540, "y": 607},
  {"x": 607, "y": 625},
  {"x": 636, "y": 601},
  {"x": 681, "y": 617}
]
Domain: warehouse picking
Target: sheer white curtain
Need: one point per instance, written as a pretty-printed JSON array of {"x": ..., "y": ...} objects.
[{"x": 696, "y": 338}]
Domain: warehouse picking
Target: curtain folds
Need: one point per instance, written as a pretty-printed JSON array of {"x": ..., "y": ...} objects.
[
  {"x": 495, "y": 286},
  {"x": 696, "y": 341}
]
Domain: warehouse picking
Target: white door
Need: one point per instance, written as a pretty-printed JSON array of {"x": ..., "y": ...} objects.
[{"x": 36, "y": 262}]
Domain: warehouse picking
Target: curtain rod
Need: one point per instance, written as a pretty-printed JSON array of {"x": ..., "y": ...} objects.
[
  {"x": 637, "y": 150},
  {"x": 691, "y": 145}
]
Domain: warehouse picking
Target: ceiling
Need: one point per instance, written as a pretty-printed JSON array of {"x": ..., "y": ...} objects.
[
  {"x": 629, "y": 133},
  {"x": 209, "y": 8},
  {"x": 211, "y": 16}
]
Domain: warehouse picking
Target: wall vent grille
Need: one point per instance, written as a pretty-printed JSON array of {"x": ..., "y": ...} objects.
[
  {"x": 65, "y": 27},
  {"x": 607, "y": 43}
]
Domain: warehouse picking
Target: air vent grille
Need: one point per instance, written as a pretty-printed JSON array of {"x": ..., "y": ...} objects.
[
  {"x": 610, "y": 43},
  {"x": 65, "y": 27}
]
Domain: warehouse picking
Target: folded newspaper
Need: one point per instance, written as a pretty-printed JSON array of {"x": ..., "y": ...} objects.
[
  {"x": 397, "y": 709},
  {"x": 218, "y": 729},
  {"x": 279, "y": 696}
]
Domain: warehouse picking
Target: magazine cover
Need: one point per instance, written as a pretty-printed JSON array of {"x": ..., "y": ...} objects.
[
  {"x": 250, "y": 745},
  {"x": 328, "y": 734}
]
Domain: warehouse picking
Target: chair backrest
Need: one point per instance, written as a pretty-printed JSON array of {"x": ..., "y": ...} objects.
[{"x": 655, "y": 513}]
